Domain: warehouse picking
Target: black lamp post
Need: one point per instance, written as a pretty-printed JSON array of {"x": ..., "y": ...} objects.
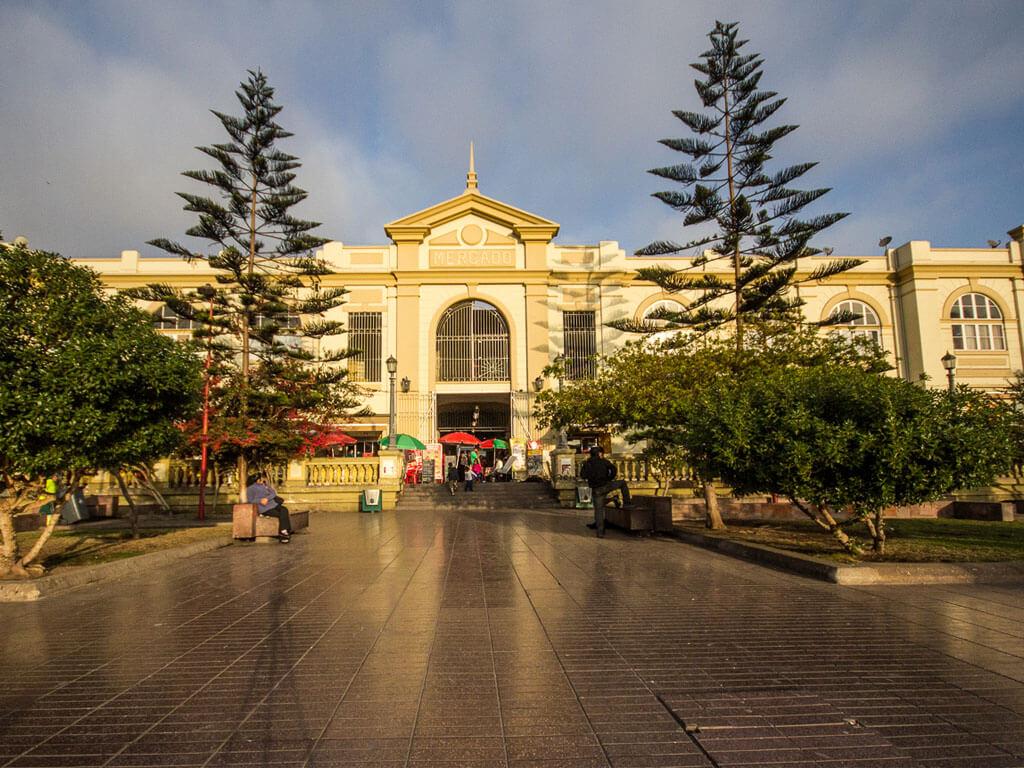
[
  {"x": 207, "y": 292},
  {"x": 392, "y": 365},
  {"x": 949, "y": 363}
]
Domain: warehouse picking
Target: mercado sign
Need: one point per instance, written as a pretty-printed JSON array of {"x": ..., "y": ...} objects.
[{"x": 473, "y": 257}]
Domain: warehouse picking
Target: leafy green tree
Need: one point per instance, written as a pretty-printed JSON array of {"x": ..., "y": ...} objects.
[
  {"x": 838, "y": 440},
  {"x": 74, "y": 365},
  {"x": 151, "y": 387},
  {"x": 650, "y": 391},
  {"x": 272, "y": 377},
  {"x": 757, "y": 216}
]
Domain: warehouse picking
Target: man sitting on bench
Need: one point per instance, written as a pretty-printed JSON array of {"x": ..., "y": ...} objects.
[{"x": 269, "y": 503}]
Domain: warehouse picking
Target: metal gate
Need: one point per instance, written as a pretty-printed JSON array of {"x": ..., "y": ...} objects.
[{"x": 472, "y": 343}]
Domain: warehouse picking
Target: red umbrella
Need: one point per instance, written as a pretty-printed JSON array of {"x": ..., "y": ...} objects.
[
  {"x": 327, "y": 439},
  {"x": 460, "y": 438}
]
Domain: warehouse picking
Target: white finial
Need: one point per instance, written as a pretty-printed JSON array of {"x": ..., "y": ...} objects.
[{"x": 471, "y": 176}]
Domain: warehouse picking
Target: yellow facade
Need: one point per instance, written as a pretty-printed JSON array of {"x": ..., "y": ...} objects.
[{"x": 473, "y": 248}]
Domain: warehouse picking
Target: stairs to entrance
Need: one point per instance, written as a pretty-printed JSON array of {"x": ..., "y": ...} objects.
[{"x": 485, "y": 497}]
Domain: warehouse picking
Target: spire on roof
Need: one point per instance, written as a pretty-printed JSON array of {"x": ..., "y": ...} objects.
[{"x": 471, "y": 176}]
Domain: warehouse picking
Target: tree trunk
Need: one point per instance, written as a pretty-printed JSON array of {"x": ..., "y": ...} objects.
[
  {"x": 824, "y": 519},
  {"x": 9, "y": 543},
  {"x": 134, "y": 514},
  {"x": 243, "y": 478},
  {"x": 23, "y": 568},
  {"x": 712, "y": 514},
  {"x": 876, "y": 524},
  {"x": 144, "y": 476}
]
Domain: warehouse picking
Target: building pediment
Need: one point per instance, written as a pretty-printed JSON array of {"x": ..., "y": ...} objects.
[{"x": 526, "y": 226}]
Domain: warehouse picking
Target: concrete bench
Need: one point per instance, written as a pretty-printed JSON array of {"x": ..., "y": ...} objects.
[
  {"x": 645, "y": 515},
  {"x": 248, "y": 524}
]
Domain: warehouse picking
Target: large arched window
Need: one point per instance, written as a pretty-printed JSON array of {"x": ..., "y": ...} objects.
[
  {"x": 978, "y": 323},
  {"x": 667, "y": 305},
  {"x": 472, "y": 343},
  {"x": 866, "y": 326}
]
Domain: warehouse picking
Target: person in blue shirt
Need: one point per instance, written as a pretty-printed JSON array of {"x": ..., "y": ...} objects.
[{"x": 269, "y": 503}]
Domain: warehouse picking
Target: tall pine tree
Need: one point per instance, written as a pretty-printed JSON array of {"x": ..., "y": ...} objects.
[
  {"x": 756, "y": 214},
  {"x": 270, "y": 385}
]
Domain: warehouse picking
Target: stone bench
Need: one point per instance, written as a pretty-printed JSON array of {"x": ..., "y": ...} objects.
[
  {"x": 644, "y": 515},
  {"x": 248, "y": 524}
]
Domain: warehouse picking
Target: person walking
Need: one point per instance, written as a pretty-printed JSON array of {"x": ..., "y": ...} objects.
[
  {"x": 600, "y": 476},
  {"x": 270, "y": 504},
  {"x": 470, "y": 477},
  {"x": 452, "y": 478}
]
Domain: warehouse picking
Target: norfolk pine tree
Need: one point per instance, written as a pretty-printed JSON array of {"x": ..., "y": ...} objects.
[
  {"x": 754, "y": 211},
  {"x": 266, "y": 388}
]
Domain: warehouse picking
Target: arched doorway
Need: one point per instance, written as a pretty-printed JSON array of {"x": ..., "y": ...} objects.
[{"x": 472, "y": 343}]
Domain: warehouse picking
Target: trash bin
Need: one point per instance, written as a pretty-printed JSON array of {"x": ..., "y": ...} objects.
[
  {"x": 74, "y": 508},
  {"x": 370, "y": 500},
  {"x": 584, "y": 497}
]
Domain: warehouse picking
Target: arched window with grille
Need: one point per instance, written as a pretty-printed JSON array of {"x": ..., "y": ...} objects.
[
  {"x": 977, "y": 323},
  {"x": 472, "y": 343},
  {"x": 865, "y": 326}
]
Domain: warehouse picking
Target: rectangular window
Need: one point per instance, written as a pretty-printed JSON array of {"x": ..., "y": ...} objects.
[
  {"x": 580, "y": 335},
  {"x": 364, "y": 332}
]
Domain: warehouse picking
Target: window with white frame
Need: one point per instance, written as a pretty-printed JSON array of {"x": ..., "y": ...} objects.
[
  {"x": 170, "y": 320},
  {"x": 978, "y": 323},
  {"x": 865, "y": 326}
]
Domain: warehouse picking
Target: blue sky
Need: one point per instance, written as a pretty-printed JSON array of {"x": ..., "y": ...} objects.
[{"x": 914, "y": 110}]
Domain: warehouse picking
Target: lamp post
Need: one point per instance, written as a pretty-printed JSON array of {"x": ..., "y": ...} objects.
[
  {"x": 563, "y": 440},
  {"x": 949, "y": 363},
  {"x": 392, "y": 365},
  {"x": 207, "y": 292}
]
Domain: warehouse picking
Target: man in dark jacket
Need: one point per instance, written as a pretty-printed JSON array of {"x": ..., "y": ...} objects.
[{"x": 600, "y": 476}]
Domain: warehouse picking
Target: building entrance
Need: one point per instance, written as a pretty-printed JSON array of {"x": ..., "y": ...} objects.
[{"x": 485, "y": 415}]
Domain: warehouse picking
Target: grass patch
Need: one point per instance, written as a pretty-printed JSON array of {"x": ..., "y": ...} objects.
[
  {"x": 68, "y": 549},
  {"x": 908, "y": 541}
]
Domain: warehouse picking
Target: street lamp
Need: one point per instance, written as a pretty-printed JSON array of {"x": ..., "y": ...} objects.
[
  {"x": 207, "y": 292},
  {"x": 538, "y": 384},
  {"x": 563, "y": 440},
  {"x": 392, "y": 365},
  {"x": 949, "y": 363}
]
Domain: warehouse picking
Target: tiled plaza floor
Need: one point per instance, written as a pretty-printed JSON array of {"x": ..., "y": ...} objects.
[{"x": 506, "y": 639}]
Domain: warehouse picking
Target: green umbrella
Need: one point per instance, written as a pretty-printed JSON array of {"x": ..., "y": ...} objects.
[{"x": 403, "y": 441}]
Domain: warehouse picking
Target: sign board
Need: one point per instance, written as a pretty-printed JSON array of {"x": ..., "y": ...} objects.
[
  {"x": 435, "y": 453},
  {"x": 567, "y": 466},
  {"x": 534, "y": 462},
  {"x": 388, "y": 467},
  {"x": 427, "y": 475},
  {"x": 518, "y": 453}
]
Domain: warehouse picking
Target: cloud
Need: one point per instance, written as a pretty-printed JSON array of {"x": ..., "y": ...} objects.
[{"x": 106, "y": 101}]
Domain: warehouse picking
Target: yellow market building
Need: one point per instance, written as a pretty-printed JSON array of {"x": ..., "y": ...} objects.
[{"x": 474, "y": 298}]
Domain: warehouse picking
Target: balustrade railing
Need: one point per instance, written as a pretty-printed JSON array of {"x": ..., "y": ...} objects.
[{"x": 328, "y": 472}]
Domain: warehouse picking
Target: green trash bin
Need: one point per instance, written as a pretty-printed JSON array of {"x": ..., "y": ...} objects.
[
  {"x": 370, "y": 500},
  {"x": 584, "y": 497}
]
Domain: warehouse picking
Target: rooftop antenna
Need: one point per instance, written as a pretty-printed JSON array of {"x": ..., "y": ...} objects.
[
  {"x": 884, "y": 241},
  {"x": 471, "y": 176},
  {"x": 994, "y": 243}
]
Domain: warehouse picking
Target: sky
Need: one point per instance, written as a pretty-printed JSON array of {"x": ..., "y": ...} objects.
[{"x": 913, "y": 110}]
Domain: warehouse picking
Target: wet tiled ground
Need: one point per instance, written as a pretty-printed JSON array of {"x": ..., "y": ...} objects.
[{"x": 510, "y": 639}]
